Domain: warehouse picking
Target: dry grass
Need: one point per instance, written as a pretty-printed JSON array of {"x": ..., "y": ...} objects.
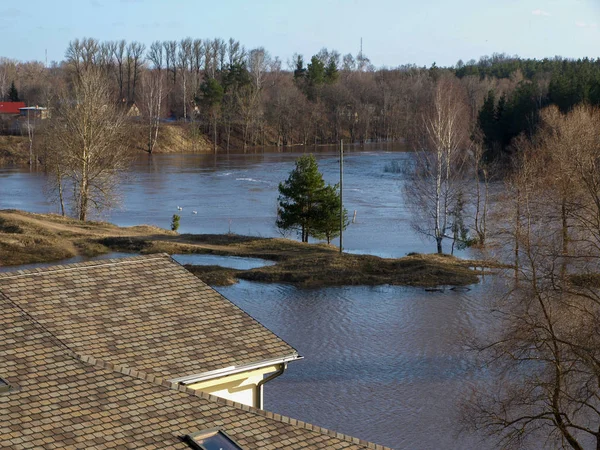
[
  {"x": 214, "y": 275},
  {"x": 586, "y": 280},
  {"x": 28, "y": 238},
  {"x": 172, "y": 138},
  {"x": 333, "y": 269},
  {"x": 14, "y": 150}
]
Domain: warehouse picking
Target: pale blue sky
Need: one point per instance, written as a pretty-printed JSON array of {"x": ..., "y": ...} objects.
[{"x": 394, "y": 32}]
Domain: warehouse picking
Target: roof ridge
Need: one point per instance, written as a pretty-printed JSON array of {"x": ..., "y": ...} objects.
[
  {"x": 159, "y": 381},
  {"x": 81, "y": 265}
]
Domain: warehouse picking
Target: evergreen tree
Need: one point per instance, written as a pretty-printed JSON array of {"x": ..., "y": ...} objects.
[
  {"x": 315, "y": 72},
  {"x": 327, "y": 217},
  {"x": 306, "y": 204},
  {"x": 331, "y": 72},
  {"x": 487, "y": 124},
  {"x": 212, "y": 93},
  {"x": 300, "y": 71},
  {"x": 13, "y": 94}
]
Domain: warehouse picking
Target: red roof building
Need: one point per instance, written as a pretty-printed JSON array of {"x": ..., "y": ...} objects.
[{"x": 11, "y": 107}]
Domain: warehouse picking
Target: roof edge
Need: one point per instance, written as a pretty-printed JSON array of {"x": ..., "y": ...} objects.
[
  {"x": 270, "y": 415},
  {"x": 53, "y": 268},
  {"x": 232, "y": 370}
]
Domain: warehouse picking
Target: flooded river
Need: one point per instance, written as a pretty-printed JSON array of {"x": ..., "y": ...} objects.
[{"x": 387, "y": 364}]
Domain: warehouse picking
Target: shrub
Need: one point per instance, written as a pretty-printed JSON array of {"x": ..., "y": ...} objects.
[{"x": 175, "y": 222}]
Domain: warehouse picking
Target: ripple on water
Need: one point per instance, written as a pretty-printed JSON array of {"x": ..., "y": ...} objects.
[{"x": 383, "y": 363}]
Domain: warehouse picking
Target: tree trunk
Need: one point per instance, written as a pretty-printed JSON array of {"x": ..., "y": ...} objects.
[
  {"x": 60, "y": 190},
  {"x": 517, "y": 233},
  {"x": 215, "y": 133}
]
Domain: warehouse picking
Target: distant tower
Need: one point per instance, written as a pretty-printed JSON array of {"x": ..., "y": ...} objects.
[
  {"x": 46, "y": 51},
  {"x": 361, "y": 45}
]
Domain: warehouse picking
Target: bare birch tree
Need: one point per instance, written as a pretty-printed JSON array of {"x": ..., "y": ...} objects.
[
  {"x": 152, "y": 96},
  {"x": 184, "y": 61},
  {"x": 86, "y": 138},
  {"x": 441, "y": 139}
]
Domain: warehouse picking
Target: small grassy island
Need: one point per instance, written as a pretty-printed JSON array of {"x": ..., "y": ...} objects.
[{"x": 27, "y": 238}]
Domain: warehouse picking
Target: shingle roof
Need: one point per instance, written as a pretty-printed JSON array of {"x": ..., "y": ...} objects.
[
  {"x": 147, "y": 313},
  {"x": 61, "y": 400}
]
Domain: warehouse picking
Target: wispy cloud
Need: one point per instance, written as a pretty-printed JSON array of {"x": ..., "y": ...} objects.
[
  {"x": 149, "y": 25},
  {"x": 96, "y": 4},
  {"x": 582, "y": 24},
  {"x": 540, "y": 12},
  {"x": 11, "y": 13}
]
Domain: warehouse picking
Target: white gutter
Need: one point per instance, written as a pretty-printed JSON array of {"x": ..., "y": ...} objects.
[{"x": 232, "y": 370}]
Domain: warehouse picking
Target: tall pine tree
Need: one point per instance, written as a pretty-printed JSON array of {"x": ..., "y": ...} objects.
[
  {"x": 13, "y": 94},
  {"x": 307, "y": 205}
]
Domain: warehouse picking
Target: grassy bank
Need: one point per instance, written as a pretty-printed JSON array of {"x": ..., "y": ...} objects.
[
  {"x": 30, "y": 238},
  {"x": 14, "y": 150},
  {"x": 172, "y": 138}
]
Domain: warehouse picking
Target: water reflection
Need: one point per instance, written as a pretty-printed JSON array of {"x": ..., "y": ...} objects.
[{"x": 233, "y": 262}]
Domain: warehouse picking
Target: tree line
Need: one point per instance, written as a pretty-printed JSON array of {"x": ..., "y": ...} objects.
[
  {"x": 543, "y": 350},
  {"x": 243, "y": 97}
]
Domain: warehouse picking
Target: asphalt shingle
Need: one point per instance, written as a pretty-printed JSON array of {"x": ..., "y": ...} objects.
[
  {"x": 147, "y": 312},
  {"x": 88, "y": 349}
]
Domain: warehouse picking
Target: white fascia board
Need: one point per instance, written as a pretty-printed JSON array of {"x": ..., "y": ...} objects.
[{"x": 232, "y": 370}]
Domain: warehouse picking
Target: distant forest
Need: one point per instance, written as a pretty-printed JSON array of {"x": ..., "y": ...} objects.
[{"x": 245, "y": 97}]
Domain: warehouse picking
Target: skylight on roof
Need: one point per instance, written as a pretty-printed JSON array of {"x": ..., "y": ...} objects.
[
  {"x": 213, "y": 439},
  {"x": 4, "y": 386}
]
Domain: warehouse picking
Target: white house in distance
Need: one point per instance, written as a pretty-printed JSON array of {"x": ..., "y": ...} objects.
[{"x": 34, "y": 112}]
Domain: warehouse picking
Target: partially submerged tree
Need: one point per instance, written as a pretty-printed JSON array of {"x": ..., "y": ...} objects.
[
  {"x": 307, "y": 205},
  {"x": 86, "y": 147},
  {"x": 437, "y": 177},
  {"x": 546, "y": 349}
]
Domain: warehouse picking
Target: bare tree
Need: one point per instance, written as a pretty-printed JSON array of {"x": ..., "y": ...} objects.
[
  {"x": 171, "y": 58},
  {"x": 184, "y": 61},
  {"x": 152, "y": 96},
  {"x": 86, "y": 139},
  {"x": 155, "y": 55},
  {"x": 197, "y": 61},
  {"x": 435, "y": 182},
  {"x": 29, "y": 126},
  {"x": 482, "y": 175},
  {"x": 118, "y": 49},
  {"x": 134, "y": 61},
  {"x": 546, "y": 348},
  {"x": 82, "y": 54}
]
